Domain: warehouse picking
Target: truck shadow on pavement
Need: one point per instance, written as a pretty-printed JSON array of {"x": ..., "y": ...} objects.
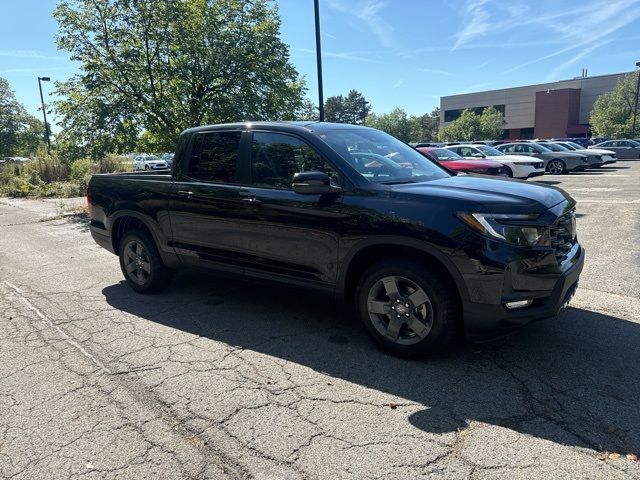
[{"x": 572, "y": 380}]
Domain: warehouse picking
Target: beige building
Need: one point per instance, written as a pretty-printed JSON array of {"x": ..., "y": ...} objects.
[{"x": 547, "y": 110}]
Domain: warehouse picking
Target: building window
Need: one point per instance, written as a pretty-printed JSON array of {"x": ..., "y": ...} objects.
[
  {"x": 526, "y": 133},
  {"x": 451, "y": 115}
]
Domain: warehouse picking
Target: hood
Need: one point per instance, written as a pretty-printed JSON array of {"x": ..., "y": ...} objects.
[
  {"x": 488, "y": 194},
  {"x": 596, "y": 151},
  {"x": 515, "y": 159}
]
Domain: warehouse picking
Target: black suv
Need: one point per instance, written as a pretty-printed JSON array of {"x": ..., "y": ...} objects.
[{"x": 353, "y": 211}]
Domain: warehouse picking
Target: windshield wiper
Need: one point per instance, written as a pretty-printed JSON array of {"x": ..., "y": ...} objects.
[{"x": 397, "y": 182}]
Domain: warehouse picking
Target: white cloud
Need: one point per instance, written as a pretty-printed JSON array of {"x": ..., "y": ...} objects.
[
  {"x": 398, "y": 84},
  {"x": 353, "y": 56},
  {"x": 436, "y": 71},
  {"x": 475, "y": 20},
  {"x": 368, "y": 12}
]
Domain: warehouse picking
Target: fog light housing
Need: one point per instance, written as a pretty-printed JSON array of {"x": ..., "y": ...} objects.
[{"x": 518, "y": 304}]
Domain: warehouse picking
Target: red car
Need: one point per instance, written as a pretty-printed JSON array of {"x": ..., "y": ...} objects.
[{"x": 455, "y": 162}]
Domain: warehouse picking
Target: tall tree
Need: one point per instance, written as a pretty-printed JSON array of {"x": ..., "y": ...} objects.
[
  {"x": 491, "y": 124},
  {"x": 396, "y": 123},
  {"x": 612, "y": 114},
  {"x": 353, "y": 108},
  {"x": 356, "y": 107},
  {"x": 20, "y": 133},
  {"x": 335, "y": 109},
  {"x": 471, "y": 126},
  {"x": 425, "y": 127},
  {"x": 165, "y": 66}
]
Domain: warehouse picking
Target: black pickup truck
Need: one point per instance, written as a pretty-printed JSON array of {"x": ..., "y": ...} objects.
[{"x": 353, "y": 211}]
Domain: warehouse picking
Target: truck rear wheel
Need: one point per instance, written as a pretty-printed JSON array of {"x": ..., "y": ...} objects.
[
  {"x": 140, "y": 262},
  {"x": 408, "y": 309}
]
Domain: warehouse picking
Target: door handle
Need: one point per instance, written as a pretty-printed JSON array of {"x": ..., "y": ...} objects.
[
  {"x": 185, "y": 193},
  {"x": 252, "y": 200}
]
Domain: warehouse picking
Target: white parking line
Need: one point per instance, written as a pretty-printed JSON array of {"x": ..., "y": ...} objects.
[{"x": 20, "y": 294}]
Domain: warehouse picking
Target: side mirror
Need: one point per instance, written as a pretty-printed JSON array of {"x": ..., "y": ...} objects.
[
  {"x": 313, "y": 183},
  {"x": 477, "y": 155}
]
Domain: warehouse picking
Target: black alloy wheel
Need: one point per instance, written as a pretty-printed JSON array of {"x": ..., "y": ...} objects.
[
  {"x": 141, "y": 264},
  {"x": 408, "y": 309},
  {"x": 556, "y": 167}
]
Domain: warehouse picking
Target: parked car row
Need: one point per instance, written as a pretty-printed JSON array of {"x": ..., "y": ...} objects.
[
  {"x": 153, "y": 162},
  {"x": 522, "y": 159}
]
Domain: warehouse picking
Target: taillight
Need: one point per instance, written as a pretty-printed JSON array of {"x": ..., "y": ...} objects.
[{"x": 89, "y": 201}]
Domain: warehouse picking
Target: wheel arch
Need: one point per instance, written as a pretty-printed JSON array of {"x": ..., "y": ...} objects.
[{"x": 369, "y": 251}]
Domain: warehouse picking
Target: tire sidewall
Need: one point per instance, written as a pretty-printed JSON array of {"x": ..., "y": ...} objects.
[
  {"x": 157, "y": 270},
  {"x": 564, "y": 167},
  {"x": 445, "y": 312}
]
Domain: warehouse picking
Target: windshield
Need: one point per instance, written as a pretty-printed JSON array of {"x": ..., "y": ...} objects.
[
  {"x": 490, "y": 151},
  {"x": 381, "y": 158},
  {"x": 445, "y": 154},
  {"x": 556, "y": 147},
  {"x": 151, "y": 158},
  {"x": 570, "y": 145},
  {"x": 539, "y": 148}
]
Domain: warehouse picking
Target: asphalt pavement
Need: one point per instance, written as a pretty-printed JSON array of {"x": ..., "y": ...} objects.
[{"x": 218, "y": 378}]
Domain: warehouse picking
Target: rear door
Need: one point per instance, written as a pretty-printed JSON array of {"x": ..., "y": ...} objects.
[{"x": 206, "y": 201}]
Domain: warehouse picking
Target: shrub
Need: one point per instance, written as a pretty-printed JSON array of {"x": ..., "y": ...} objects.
[{"x": 81, "y": 172}]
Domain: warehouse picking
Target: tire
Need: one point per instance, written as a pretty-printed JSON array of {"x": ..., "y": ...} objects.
[
  {"x": 140, "y": 262},
  {"x": 556, "y": 167},
  {"x": 423, "y": 304},
  {"x": 508, "y": 171},
  {"x": 146, "y": 167}
]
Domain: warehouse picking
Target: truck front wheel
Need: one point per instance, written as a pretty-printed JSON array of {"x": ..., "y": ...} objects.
[
  {"x": 408, "y": 309},
  {"x": 141, "y": 264}
]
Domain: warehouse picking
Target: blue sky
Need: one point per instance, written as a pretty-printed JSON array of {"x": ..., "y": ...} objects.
[{"x": 404, "y": 53}]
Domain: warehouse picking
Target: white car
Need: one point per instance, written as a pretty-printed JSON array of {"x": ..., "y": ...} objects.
[
  {"x": 516, "y": 166},
  {"x": 149, "y": 162},
  {"x": 608, "y": 156}
]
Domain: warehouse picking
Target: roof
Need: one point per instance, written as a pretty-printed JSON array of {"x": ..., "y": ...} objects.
[{"x": 278, "y": 125}]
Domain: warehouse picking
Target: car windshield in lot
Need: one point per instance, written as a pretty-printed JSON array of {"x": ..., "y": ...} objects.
[
  {"x": 554, "y": 147},
  {"x": 151, "y": 158},
  {"x": 573, "y": 146},
  {"x": 490, "y": 151},
  {"x": 381, "y": 158},
  {"x": 444, "y": 154}
]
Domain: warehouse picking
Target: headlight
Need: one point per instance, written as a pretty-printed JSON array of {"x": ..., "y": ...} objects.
[{"x": 507, "y": 227}]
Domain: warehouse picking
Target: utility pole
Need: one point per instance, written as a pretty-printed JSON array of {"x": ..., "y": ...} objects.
[
  {"x": 635, "y": 106},
  {"x": 319, "y": 59},
  {"x": 44, "y": 113}
]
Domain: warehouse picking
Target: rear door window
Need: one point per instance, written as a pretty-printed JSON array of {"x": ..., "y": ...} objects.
[{"x": 214, "y": 157}]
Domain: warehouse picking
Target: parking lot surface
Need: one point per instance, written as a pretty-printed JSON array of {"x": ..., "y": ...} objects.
[{"x": 219, "y": 378}]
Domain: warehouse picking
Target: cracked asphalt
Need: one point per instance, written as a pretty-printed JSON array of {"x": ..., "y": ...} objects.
[{"x": 219, "y": 378}]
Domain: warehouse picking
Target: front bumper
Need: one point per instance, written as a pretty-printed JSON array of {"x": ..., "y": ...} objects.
[
  {"x": 487, "y": 320},
  {"x": 536, "y": 174}
]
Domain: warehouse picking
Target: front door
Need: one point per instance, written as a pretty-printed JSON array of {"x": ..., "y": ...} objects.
[{"x": 287, "y": 233}]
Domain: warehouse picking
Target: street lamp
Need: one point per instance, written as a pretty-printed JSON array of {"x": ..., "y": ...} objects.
[
  {"x": 319, "y": 59},
  {"x": 635, "y": 107},
  {"x": 44, "y": 112}
]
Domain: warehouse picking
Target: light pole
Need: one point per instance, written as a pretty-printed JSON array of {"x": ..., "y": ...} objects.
[
  {"x": 635, "y": 106},
  {"x": 44, "y": 113},
  {"x": 319, "y": 59}
]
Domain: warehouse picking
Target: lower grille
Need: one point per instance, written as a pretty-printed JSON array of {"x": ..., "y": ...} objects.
[{"x": 563, "y": 235}]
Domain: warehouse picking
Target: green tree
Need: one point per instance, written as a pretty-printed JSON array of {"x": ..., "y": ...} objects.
[
  {"x": 164, "y": 66},
  {"x": 425, "y": 127},
  {"x": 471, "y": 126},
  {"x": 353, "y": 108},
  {"x": 491, "y": 124},
  {"x": 308, "y": 111},
  {"x": 396, "y": 123},
  {"x": 612, "y": 114},
  {"x": 20, "y": 133}
]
